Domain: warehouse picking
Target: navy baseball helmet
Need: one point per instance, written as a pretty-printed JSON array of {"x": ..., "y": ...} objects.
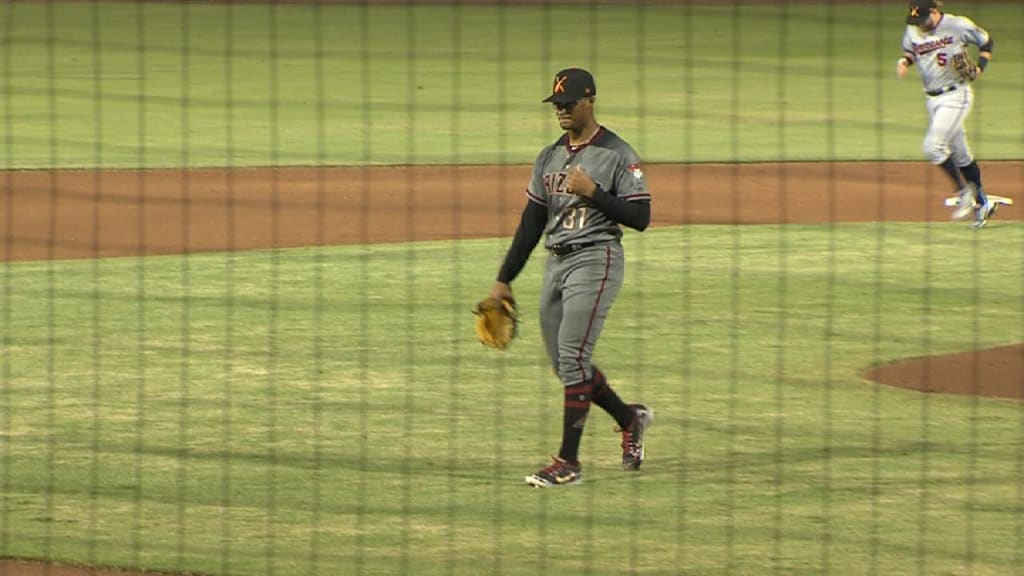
[
  {"x": 920, "y": 10},
  {"x": 570, "y": 85}
]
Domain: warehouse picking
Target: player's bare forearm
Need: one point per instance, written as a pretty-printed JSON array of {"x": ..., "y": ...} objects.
[{"x": 903, "y": 64}]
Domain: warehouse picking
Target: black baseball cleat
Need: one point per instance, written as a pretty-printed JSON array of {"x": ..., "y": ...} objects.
[
  {"x": 633, "y": 437},
  {"x": 559, "y": 473}
]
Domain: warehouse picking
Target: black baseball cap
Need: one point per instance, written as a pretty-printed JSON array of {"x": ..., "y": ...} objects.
[
  {"x": 570, "y": 85},
  {"x": 920, "y": 10}
]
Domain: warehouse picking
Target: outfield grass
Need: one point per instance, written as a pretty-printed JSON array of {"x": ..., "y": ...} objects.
[
  {"x": 147, "y": 85},
  {"x": 327, "y": 411}
]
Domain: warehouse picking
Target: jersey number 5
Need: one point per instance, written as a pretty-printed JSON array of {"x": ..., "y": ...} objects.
[
  {"x": 575, "y": 218},
  {"x": 942, "y": 58}
]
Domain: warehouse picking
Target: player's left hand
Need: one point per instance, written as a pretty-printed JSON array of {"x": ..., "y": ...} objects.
[
  {"x": 965, "y": 66},
  {"x": 580, "y": 183}
]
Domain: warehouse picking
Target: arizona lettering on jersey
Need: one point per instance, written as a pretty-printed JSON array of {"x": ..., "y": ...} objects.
[{"x": 554, "y": 182}]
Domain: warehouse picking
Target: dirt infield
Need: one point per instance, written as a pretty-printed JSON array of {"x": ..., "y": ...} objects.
[
  {"x": 86, "y": 214},
  {"x": 994, "y": 372}
]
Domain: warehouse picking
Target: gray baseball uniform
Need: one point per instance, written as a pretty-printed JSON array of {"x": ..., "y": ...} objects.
[
  {"x": 586, "y": 267},
  {"x": 949, "y": 98}
]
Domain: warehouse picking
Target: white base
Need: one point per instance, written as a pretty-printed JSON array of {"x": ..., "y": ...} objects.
[{"x": 1004, "y": 200}]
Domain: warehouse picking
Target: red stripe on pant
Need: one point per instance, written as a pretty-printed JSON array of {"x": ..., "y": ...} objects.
[{"x": 593, "y": 312}]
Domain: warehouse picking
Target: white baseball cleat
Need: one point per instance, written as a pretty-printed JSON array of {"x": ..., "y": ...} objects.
[
  {"x": 983, "y": 213},
  {"x": 965, "y": 204}
]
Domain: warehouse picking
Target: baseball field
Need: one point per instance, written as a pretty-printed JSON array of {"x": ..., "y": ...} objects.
[{"x": 242, "y": 241}]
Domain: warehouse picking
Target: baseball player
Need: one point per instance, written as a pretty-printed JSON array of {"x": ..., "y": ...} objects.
[
  {"x": 937, "y": 42},
  {"x": 584, "y": 186}
]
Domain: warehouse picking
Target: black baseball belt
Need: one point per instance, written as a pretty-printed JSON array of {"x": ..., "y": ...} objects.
[
  {"x": 566, "y": 249},
  {"x": 941, "y": 91}
]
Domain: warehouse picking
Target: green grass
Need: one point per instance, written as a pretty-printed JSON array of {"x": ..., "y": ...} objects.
[
  {"x": 146, "y": 85},
  {"x": 327, "y": 411}
]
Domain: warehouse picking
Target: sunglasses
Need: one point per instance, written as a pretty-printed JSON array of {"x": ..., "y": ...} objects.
[{"x": 567, "y": 106}]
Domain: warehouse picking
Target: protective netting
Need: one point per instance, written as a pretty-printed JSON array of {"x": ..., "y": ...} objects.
[{"x": 243, "y": 241}]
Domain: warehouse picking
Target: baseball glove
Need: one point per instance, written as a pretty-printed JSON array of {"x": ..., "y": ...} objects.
[
  {"x": 964, "y": 66},
  {"x": 497, "y": 322}
]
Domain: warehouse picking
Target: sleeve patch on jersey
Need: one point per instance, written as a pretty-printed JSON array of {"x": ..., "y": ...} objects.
[{"x": 635, "y": 170}]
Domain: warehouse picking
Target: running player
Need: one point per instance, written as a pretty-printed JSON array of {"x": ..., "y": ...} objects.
[{"x": 932, "y": 39}]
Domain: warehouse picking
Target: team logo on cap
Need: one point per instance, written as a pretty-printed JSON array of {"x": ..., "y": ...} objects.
[
  {"x": 914, "y": 12},
  {"x": 560, "y": 84}
]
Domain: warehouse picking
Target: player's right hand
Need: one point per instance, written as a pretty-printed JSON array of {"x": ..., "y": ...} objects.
[
  {"x": 580, "y": 183},
  {"x": 901, "y": 67},
  {"x": 501, "y": 291}
]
